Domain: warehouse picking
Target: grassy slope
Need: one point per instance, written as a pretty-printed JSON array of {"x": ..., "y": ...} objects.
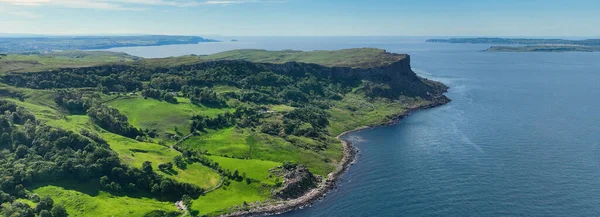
[
  {"x": 101, "y": 203},
  {"x": 254, "y": 169},
  {"x": 195, "y": 173},
  {"x": 243, "y": 144},
  {"x": 62, "y": 59},
  {"x": 134, "y": 153},
  {"x": 359, "y": 58},
  {"x": 236, "y": 193},
  {"x": 160, "y": 115},
  {"x": 355, "y": 111},
  {"x": 130, "y": 151}
]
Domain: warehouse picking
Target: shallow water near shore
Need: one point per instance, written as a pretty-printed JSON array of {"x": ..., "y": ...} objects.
[{"x": 521, "y": 136}]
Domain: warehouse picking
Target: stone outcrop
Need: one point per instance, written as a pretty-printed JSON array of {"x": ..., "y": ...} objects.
[{"x": 297, "y": 181}]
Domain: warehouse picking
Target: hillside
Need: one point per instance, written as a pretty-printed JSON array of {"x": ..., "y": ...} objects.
[{"x": 134, "y": 136}]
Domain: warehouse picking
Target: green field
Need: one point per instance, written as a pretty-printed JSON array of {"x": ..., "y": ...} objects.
[
  {"x": 241, "y": 144},
  {"x": 220, "y": 200},
  {"x": 229, "y": 141},
  {"x": 162, "y": 116},
  {"x": 197, "y": 174},
  {"x": 254, "y": 169},
  {"x": 282, "y": 108},
  {"x": 99, "y": 203},
  {"x": 354, "y": 112}
]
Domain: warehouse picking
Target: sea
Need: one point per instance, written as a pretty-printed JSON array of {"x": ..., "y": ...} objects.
[{"x": 521, "y": 136}]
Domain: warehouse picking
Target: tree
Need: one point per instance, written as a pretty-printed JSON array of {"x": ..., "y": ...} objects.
[
  {"x": 186, "y": 201},
  {"x": 147, "y": 167},
  {"x": 45, "y": 213},
  {"x": 20, "y": 190},
  {"x": 21, "y": 151},
  {"x": 46, "y": 203},
  {"x": 104, "y": 180},
  {"x": 179, "y": 162},
  {"x": 236, "y": 175},
  {"x": 165, "y": 166},
  {"x": 17, "y": 209},
  {"x": 59, "y": 211}
]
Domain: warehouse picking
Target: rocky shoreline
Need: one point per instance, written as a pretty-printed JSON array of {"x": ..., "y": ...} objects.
[{"x": 330, "y": 182}]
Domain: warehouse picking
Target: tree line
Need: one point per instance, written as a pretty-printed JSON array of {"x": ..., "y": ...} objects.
[{"x": 259, "y": 83}]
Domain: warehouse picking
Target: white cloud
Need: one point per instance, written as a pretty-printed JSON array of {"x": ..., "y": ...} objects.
[
  {"x": 229, "y": 2},
  {"x": 13, "y": 11},
  {"x": 126, "y": 4}
]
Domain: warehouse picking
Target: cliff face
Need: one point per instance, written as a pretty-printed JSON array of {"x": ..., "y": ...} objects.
[
  {"x": 390, "y": 80},
  {"x": 399, "y": 76}
]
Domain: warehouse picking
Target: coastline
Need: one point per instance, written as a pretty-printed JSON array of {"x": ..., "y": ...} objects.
[{"x": 350, "y": 152}]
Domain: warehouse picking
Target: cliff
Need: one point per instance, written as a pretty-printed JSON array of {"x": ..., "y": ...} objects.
[
  {"x": 389, "y": 75},
  {"x": 386, "y": 74}
]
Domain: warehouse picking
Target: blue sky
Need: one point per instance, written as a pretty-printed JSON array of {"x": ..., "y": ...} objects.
[{"x": 304, "y": 17}]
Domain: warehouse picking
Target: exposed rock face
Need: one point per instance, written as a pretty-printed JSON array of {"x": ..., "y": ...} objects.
[
  {"x": 297, "y": 182},
  {"x": 398, "y": 75}
]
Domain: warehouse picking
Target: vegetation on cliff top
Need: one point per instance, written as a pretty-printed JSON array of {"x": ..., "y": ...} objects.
[
  {"x": 134, "y": 136},
  {"x": 354, "y": 58}
]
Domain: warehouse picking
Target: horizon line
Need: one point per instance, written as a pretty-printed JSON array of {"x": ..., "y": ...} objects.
[{"x": 25, "y": 35}]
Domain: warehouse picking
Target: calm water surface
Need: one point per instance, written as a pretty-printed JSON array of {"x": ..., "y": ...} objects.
[{"x": 521, "y": 137}]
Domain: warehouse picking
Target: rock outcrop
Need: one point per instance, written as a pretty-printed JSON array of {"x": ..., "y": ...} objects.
[{"x": 297, "y": 181}]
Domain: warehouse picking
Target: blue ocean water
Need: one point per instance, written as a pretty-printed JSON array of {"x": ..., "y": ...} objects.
[{"x": 520, "y": 138}]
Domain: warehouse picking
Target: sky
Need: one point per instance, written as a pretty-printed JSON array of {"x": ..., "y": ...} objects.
[{"x": 303, "y": 17}]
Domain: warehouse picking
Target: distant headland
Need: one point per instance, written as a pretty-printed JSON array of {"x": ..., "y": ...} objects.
[
  {"x": 53, "y": 43},
  {"x": 528, "y": 45}
]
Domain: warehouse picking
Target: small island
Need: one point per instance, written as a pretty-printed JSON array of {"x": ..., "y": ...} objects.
[{"x": 528, "y": 45}]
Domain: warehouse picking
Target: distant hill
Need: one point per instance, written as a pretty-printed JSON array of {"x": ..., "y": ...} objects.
[
  {"x": 543, "y": 48},
  {"x": 36, "y": 61},
  {"x": 52, "y": 43},
  {"x": 531, "y": 45},
  {"x": 521, "y": 41}
]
